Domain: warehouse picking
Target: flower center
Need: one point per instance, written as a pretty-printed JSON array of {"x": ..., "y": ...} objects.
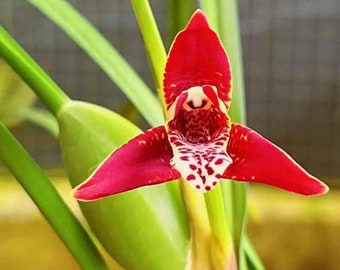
[
  {"x": 198, "y": 132},
  {"x": 198, "y": 114}
]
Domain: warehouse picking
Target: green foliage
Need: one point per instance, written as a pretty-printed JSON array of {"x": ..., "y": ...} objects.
[
  {"x": 147, "y": 224},
  {"x": 45, "y": 196},
  {"x": 15, "y": 96},
  {"x": 179, "y": 14},
  {"x": 43, "y": 119},
  {"x": 105, "y": 55},
  {"x": 43, "y": 86}
]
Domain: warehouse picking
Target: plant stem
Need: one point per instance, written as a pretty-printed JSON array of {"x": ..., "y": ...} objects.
[
  {"x": 200, "y": 240},
  {"x": 222, "y": 244},
  {"x": 153, "y": 42},
  {"x": 51, "y": 205},
  {"x": 44, "y": 87}
]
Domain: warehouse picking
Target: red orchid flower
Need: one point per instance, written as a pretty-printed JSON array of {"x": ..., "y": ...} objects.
[{"x": 198, "y": 142}]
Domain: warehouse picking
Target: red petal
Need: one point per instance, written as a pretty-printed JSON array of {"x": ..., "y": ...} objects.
[
  {"x": 197, "y": 58},
  {"x": 145, "y": 160},
  {"x": 256, "y": 159}
]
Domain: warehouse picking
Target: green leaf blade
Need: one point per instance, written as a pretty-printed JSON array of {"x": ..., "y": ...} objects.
[
  {"x": 51, "y": 205},
  {"x": 104, "y": 54}
]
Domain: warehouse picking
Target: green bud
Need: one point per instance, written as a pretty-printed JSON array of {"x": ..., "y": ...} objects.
[{"x": 142, "y": 229}]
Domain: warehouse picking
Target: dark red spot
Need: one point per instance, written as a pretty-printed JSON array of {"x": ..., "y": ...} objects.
[
  {"x": 184, "y": 158},
  {"x": 192, "y": 166},
  {"x": 210, "y": 171},
  {"x": 219, "y": 161},
  {"x": 198, "y": 186},
  {"x": 218, "y": 176},
  {"x": 191, "y": 177},
  {"x": 219, "y": 143},
  {"x": 172, "y": 139},
  {"x": 207, "y": 188},
  {"x": 214, "y": 183}
]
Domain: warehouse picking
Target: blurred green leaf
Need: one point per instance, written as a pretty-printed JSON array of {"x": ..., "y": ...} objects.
[
  {"x": 105, "y": 55},
  {"x": 128, "y": 111},
  {"x": 41, "y": 118},
  {"x": 142, "y": 229},
  {"x": 51, "y": 205},
  {"x": 15, "y": 96},
  {"x": 253, "y": 260},
  {"x": 178, "y": 16}
]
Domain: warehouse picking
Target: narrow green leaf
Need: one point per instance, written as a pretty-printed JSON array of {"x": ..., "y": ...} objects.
[
  {"x": 210, "y": 8},
  {"x": 44, "y": 87},
  {"x": 224, "y": 16},
  {"x": 230, "y": 34},
  {"x": 41, "y": 118},
  {"x": 253, "y": 259},
  {"x": 101, "y": 51},
  {"x": 51, "y": 205},
  {"x": 152, "y": 40},
  {"x": 145, "y": 228}
]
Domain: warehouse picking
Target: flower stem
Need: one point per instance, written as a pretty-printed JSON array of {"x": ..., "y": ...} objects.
[
  {"x": 45, "y": 196},
  {"x": 44, "y": 87},
  {"x": 221, "y": 244},
  {"x": 199, "y": 257}
]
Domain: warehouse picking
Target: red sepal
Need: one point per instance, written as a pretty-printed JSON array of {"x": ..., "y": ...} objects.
[
  {"x": 197, "y": 58},
  {"x": 144, "y": 160},
  {"x": 255, "y": 159}
]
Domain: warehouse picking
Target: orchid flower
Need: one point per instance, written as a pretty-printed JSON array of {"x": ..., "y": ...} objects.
[{"x": 198, "y": 142}]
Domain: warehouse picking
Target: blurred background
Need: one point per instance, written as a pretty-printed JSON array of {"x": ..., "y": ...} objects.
[{"x": 291, "y": 52}]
